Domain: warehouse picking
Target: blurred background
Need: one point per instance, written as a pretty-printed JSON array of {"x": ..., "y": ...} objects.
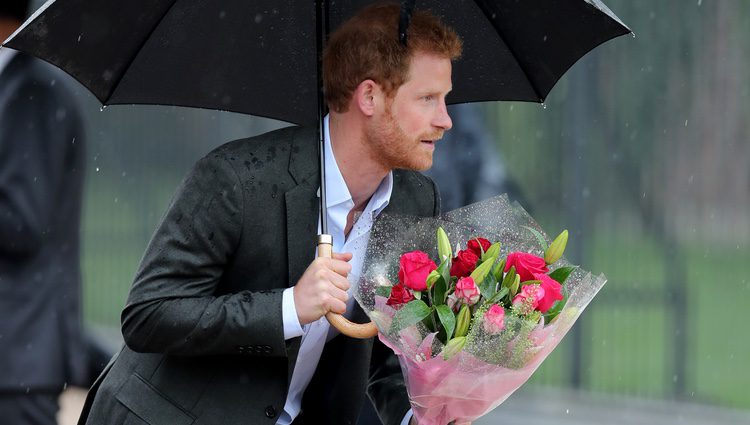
[{"x": 642, "y": 151}]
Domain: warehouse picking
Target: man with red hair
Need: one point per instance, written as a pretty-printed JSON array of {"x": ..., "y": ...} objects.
[{"x": 225, "y": 320}]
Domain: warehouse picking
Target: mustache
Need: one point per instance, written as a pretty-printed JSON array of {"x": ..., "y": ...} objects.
[{"x": 432, "y": 136}]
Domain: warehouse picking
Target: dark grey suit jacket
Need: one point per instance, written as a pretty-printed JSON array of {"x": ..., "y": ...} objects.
[
  {"x": 203, "y": 323},
  {"x": 41, "y": 180}
]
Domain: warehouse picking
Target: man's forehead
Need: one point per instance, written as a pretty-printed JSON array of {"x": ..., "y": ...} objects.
[{"x": 435, "y": 69}]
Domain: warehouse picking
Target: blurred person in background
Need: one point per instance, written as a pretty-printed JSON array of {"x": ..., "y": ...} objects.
[
  {"x": 41, "y": 182},
  {"x": 467, "y": 168}
]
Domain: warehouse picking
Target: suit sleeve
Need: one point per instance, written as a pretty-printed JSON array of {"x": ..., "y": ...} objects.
[
  {"x": 34, "y": 138},
  {"x": 173, "y": 307}
]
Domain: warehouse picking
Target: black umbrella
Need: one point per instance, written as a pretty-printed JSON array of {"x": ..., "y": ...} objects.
[{"x": 261, "y": 57}]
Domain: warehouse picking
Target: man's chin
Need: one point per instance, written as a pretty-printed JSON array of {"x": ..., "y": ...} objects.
[{"x": 420, "y": 166}]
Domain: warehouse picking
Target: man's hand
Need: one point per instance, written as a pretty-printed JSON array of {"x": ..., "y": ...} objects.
[{"x": 322, "y": 288}]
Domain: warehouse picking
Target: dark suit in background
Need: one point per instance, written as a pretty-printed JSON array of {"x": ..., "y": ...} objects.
[
  {"x": 41, "y": 178},
  {"x": 203, "y": 321}
]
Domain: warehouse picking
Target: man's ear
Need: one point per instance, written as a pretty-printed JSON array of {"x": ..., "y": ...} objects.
[{"x": 366, "y": 96}]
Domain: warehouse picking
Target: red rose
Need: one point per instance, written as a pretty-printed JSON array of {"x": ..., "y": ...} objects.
[
  {"x": 526, "y": 265},
  {"x": 478, "y": 245},
  {"x": 552, "y": 292},
  {"x": 413, "y": 269},
  {"x": 464, "y": 263},
  {"x": 399, "y": 295}
]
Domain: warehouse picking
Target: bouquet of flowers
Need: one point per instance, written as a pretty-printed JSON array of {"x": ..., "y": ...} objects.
[{"x": 471, "y": 325}]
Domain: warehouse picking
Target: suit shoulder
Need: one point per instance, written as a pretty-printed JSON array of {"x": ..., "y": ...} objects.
[
  {"x": 254, "y": 154},
  {"x": 415, "y": 193},
  {"x": 412, "y": 178}
]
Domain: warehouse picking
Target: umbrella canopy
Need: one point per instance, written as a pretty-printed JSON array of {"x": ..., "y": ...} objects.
[{"x": 260, "y": 57}]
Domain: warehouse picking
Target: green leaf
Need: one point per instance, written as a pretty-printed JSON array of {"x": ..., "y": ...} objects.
[
  {"x": 444, "y": 245},
  {"x": 488, "y": 287},
  {"x": 383, "y": 291},
  {"x": 492, "y": 253},
  {"x": 555, "y": 310},
  {"x": 498, "y": 270},
  {"x": 445, "y": 270},
  {"x": 481, "y": 271},
  {"x": 439, "y": 290},
  {"x": 447, "y": 318},
  {"x": 509, "y": 277},
  {"x": 411, "y": 313},
  {"x": 539, "y": 237},
  {"x": 499, "y": 295},
  {"x": 561, "y": 274}
]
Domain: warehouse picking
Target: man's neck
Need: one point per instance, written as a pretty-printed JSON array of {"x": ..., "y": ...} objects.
[{"x": 362, "y": 174}]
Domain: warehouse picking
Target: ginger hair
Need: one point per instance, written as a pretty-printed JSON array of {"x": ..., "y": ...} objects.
[{"x": 367, "y": 46}]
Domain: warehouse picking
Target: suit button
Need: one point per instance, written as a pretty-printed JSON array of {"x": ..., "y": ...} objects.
[{"x": 270, "y": 412}]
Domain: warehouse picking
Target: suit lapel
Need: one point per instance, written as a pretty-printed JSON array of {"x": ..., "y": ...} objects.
[{"x": 302, "y": 207}]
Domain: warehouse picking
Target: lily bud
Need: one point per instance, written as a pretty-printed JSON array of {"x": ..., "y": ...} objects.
[
  {"x": 432, "y": 278},
  {"x": 453, "y": 347},
  {"x": 556, "y": 248},
  {"x": 514, "y": 286},
  {"x": 462, "y": 321},
  {"x": 492, "y": 253},
  {"x": 444, "y": 245}
]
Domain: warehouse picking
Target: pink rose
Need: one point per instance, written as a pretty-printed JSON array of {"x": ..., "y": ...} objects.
[
  {"x": 399, "y": 295},
  {"x": 467, "y": 291},
  {"x": 526, "y": 265},
  {"x": 464, "y": 263},
  {"x": 478, "y": 245},
  {"x": 494, "y": 320},
  {"x": 528, "y": 299},
  {"x": 552, "y": 292},
  {"x": 413, "y": 269}
]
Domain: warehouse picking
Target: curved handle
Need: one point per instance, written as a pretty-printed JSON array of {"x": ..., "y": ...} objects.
[{"x": 346, "y": 327}]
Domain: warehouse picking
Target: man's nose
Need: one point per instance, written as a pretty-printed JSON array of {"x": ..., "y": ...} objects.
[{"x": 442, "y": 119}]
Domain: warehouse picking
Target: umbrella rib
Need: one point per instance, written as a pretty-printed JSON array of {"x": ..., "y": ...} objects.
[
  {"x": 145, "y": 40},
  {"x": 484, "y": 6}
]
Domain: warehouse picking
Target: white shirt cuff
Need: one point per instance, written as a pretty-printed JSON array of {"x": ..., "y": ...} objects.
[
  {"x": 292, "y": 327},
  {"x": 407, "y": 417}
]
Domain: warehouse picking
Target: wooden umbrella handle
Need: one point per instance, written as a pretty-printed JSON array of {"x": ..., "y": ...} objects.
[{"x": 350, "y": 329}]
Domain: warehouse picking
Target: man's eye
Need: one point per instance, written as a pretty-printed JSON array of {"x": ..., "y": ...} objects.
[{"x": 427, "y": 98}]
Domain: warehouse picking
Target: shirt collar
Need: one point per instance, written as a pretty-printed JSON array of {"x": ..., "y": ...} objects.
[
  {"x": 6, "y": 55},
  {"x": 336, "y": 190}
]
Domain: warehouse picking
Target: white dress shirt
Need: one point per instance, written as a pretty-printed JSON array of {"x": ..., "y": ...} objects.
[{"x": 316, "y": 334}]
